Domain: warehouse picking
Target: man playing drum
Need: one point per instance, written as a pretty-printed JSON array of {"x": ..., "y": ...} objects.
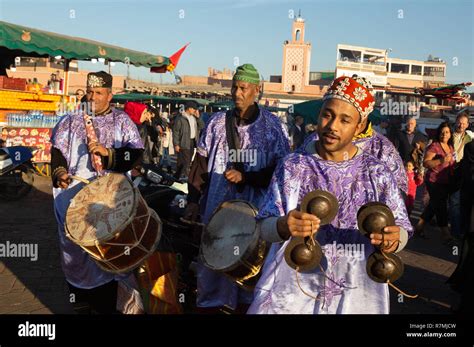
[
  {"x": 236, "y": 155},
  {"x": 119, "y": 147},
  {"x": 355, "y": 177}
]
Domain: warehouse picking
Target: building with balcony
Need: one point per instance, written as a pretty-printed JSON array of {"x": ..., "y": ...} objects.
[{"x": 392, "y": 78}]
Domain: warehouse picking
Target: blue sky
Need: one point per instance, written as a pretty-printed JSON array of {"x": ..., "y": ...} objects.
[{"x": 254, "y": 30}]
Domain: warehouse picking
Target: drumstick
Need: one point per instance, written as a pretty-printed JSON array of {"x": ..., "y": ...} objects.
[
  {"x": 77, "y": 178},
  {"x": 202, "y": 225}
]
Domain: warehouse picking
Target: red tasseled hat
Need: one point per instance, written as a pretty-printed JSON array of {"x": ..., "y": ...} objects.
[
  {"x": 134, "y": 111},
  {"x": 356, "y": 90}
]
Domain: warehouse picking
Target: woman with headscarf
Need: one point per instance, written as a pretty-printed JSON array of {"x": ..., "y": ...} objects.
[{"x": 141, "y": 116}]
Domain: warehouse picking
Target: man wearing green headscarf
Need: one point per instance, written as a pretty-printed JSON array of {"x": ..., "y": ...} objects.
[{"x": 242, "y": 171}]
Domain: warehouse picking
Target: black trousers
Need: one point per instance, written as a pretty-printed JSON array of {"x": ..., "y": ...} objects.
[
  {"x": 467, "y": 208},
  {"x": 101, "y": 300},
  {"x": 439, "y": 194},
  {"x": 183, "y": 162}
]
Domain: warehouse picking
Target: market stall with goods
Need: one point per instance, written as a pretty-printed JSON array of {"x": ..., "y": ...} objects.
[{"x": 28, "y": 110}]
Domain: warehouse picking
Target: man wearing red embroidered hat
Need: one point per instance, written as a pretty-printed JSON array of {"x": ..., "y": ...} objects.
[
  {"x": 374, "y": 143},
  {"x": 333, "y": 164}
]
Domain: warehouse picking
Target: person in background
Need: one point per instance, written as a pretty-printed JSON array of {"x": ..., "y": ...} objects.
[
  {"x": 79, "y": 95},
  {"x": 156, "y": 127},
  {"x": 406, "y": 139},
  {"x": 417, "y": 156},
  {"x": 297, "y": 132},
  {"x": 415, "y": 179},
  {"x": 166, "y": 143},
  {"x": 185, "y": 136},
  {"x": 462, "y": 279},
  {"x": 310, "y": 129},
  {"x": 200, "y": 126},
  {"x": 439, "y": 162},
  {"x": 461, "y": 137},
  {"x": 200, "y": 122},
  {"x": 140, "y": 115},
  {"x": 382, "y": 127}
]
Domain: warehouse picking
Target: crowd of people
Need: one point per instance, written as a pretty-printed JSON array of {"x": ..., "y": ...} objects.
[
  {"x": 164, "y": 135},
  {"x": 343, "y": 155}
]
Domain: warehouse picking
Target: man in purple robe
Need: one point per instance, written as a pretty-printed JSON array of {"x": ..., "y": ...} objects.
[
  {"x": 220, "y": 173},
  {"x": 120, "y": 148},
  {"x": 333, "y": 164}
]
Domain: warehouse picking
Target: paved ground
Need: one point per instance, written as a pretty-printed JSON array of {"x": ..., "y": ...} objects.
[
  {"x": 38, "y": 286},
  {"x": 428, "y": 264},
  {"x": 28, "y": 286}
]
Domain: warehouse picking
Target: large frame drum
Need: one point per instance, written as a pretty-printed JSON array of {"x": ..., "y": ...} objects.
[
  {"x": 231, "y": 243},
  {"x": 111, "y": 221}
]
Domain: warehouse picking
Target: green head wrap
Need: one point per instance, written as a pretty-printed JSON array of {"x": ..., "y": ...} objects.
[{"x": 247, "y": 73}]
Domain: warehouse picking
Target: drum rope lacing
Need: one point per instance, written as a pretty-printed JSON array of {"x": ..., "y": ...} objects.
[{"x": 136, "y": 244}]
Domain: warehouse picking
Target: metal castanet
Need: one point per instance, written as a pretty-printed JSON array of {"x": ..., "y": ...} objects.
[
  {"x": 373, "y": 217},
  {"x": 322, "y": 204},
  {"x": 305, "y": 254},
  {"x": 382, "y": 267}
]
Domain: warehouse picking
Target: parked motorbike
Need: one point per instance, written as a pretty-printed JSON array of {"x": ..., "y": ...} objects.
[
  {"x": 16, "y": 172},
  {"x": 167, "y": 196}
]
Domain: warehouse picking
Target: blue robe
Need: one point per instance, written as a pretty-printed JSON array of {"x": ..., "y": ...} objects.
[
  {"x": 345, "y": 287},
  {"x": 267, "y": 141}
]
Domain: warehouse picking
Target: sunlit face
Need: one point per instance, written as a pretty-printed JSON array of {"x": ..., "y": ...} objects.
[
  {"x": 411, "y": 124},
  {"x": 146, "y": 116},
  {"x": 461, "y": 125},
  {"x": 244, "y": 94},
  {"x": 191, "y": 111},
  {"x": 338, "y": 122},
  {"x": 445, "y": 135},
  {"x": 100, "y": 98}
]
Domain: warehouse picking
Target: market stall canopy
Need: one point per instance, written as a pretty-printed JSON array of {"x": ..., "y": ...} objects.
[
  {"x": 309, "y": 110},
  {"x": 33, "y": 42},
  {"x": 156, "y": 98}
]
